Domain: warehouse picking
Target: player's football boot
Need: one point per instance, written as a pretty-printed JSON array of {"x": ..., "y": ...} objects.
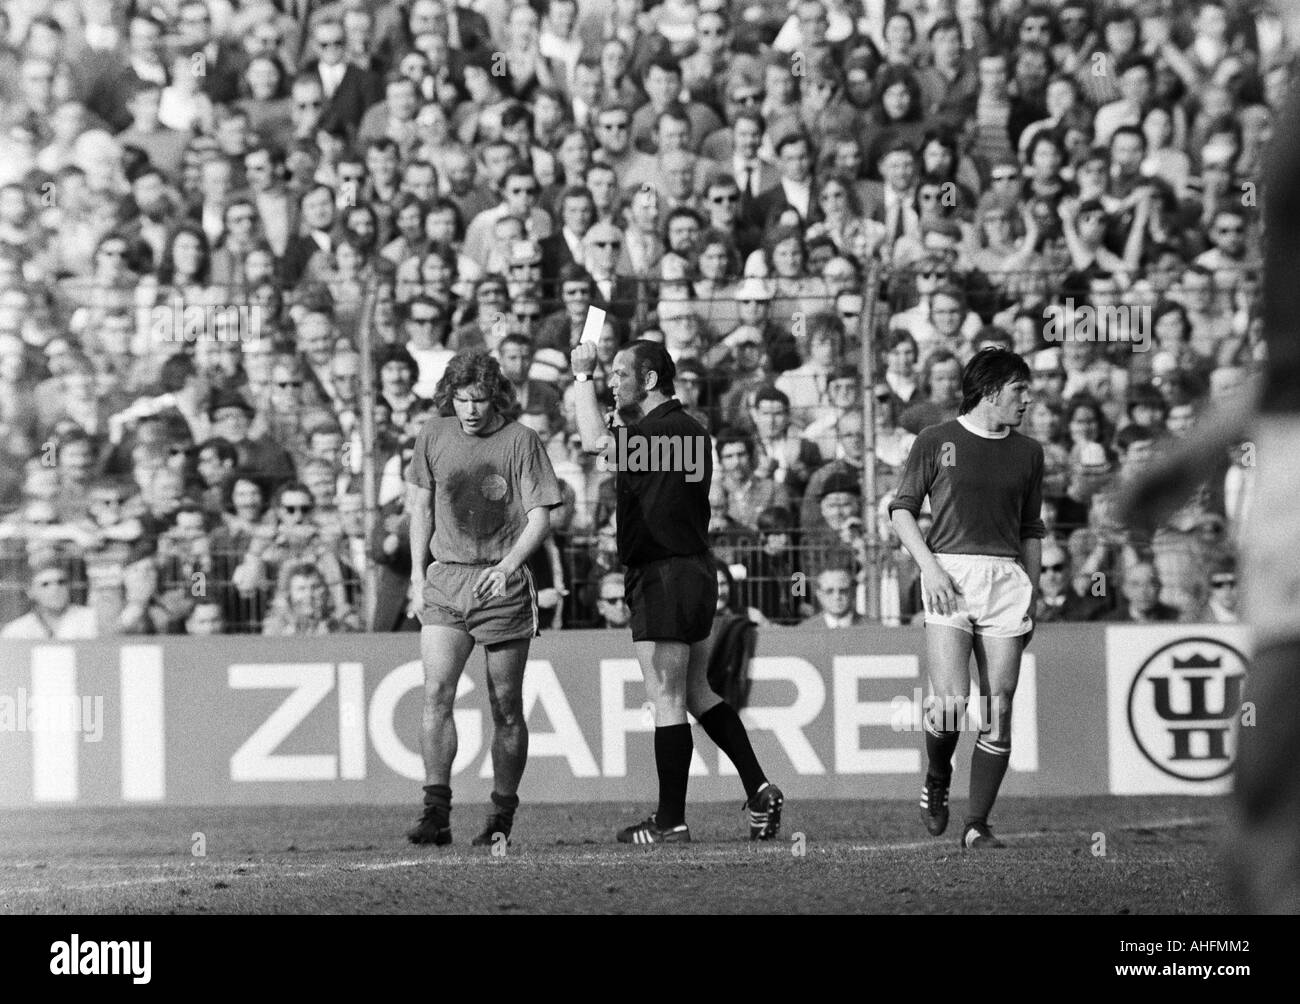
[
  {"x": 934, "y": 805},
  {"x": 433, "y": 827},
  {"x": 648, "y": 831},
  {"x": 765, "y": 813},
  {"x": 978, "y": 837},
  {"x": 496, "y": 823}
]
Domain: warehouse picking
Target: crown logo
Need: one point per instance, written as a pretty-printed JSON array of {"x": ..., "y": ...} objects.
[{"x": 1198, "y": 662}]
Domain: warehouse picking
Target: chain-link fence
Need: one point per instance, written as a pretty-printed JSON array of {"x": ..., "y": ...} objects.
[{"x": 290, "y": 518}]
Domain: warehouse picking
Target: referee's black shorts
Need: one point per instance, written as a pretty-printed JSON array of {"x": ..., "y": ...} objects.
[{"x": 672, "y": 599}]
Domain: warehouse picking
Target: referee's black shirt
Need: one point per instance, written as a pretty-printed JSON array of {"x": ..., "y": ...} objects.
[{"x": 661, "y": 513}]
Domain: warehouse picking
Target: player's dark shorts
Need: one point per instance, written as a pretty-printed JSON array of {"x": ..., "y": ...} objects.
[
  {"x": 449, "y": 601},
  {"x": 672, "y": 599}
]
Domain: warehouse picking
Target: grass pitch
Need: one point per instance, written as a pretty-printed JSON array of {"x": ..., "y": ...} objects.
[{"x": 1104, "y": 855}]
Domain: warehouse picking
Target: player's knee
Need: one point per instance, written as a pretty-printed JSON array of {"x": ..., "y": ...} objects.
[
  {"x": 671, "y": 700},
  {"x": 508, "y": 714},
  {"x": 439, "y": 698}
]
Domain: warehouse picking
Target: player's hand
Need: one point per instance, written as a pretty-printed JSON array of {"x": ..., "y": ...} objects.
[
  {"x": 583, "y": 358},
  {"x": 415, "y": 597},
  {"x": 492, "y": 582},
  {"x": 940, "y": 592}
]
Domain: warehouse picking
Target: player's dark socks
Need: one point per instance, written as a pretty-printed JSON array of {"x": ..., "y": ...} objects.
[
  {"x": 505, "y": 805},
  {"x": 438, "y": 795},
  {"x": 988, "y": 765},
  {"x": 727, "y": 731},
  {"x": 939, "y": 748},
  {"x": 673, "y": 748}
]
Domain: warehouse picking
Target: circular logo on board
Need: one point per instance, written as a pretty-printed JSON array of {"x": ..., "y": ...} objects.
[
  {"x": 494, "y": 487},
  {"x": 1184, "y": 708}
]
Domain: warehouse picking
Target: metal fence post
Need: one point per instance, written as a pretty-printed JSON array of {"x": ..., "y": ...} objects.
[
  {"x": 867, "y": 365},
  {"x": 369, "y": 476}
]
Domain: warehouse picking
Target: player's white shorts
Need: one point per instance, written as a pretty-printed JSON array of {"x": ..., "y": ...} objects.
[{"x": 993, "y": 595}]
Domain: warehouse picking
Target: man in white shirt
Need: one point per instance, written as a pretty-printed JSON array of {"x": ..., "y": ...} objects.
[
  {"x": 808, "y": 386},
  {"x": 843, "y": 399},
  {"x": 558, "y": 40},
  {"x": 53, "y": 617},
  {"x": 752, "y": 175},
  {"x": 519, "y": 198},
  {"x": 1136, "y": 82},
  {"x": 425, "y": 325}
]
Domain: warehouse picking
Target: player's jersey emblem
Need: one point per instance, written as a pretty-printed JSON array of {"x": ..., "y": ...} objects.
[{"x": 493, "y": 487}]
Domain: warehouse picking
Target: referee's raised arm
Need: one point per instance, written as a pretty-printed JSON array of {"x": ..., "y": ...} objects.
[{"x": 591, "y": 424}]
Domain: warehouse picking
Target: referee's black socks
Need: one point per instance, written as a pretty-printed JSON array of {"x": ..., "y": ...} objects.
[
  {"x": 673, "y": 748},
  {"x": 727, "y": 731}
]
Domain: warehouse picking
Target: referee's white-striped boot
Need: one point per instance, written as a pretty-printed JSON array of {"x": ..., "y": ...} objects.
[
  {"x": 648, "y": 831},
  {"x": 764, "y": 811}
]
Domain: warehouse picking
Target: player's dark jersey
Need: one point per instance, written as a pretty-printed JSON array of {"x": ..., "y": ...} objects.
[
  {"x": 661, "y": 512},
  {"x": 986, "y": 495},
  {"x": 1280, "y": 291}
]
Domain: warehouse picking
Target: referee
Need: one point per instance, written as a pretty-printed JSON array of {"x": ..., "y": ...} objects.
[{"x": 672, "y": 589}]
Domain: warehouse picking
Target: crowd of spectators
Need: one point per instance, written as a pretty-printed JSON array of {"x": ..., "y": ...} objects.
[{"x": 199, "y": 200}]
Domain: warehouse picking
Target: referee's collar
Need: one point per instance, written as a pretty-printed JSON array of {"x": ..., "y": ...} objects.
[
  {"x": 971, "y": 427},
  {"x": 662, "y": 409}
]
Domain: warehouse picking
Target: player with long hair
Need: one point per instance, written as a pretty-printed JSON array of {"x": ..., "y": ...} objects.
[
  {"x": 479, "y": 491},
  {"x": 979, "y": 574}
]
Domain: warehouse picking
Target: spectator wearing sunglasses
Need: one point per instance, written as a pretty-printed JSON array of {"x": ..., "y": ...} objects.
[
  {"x": 614, "y": 138},
  {"x": 1222, "y": 606},
  {"x": 348, "y": 90},
  {"x": 425, "y": 324},
  {"x": 611, "y": 601},
  {"x": 616, "y": 293},
  {"x": 520, "y": 198},
  {"x": 1230, "y": 257},
  {"x": 934, "y": 275},
  {"x": 1058, "y": 599},
  {"x": 294, "y": 535}
]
